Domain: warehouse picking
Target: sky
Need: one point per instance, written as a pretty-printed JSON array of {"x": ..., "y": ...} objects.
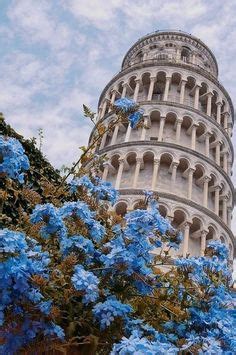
[{"x": 56, "y": 55}]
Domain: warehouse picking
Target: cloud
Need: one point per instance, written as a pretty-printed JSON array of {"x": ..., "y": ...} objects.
[{"x": 58, "y": 54}]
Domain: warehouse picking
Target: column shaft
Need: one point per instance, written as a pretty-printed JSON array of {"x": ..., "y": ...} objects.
[
  {"x": 182, "y": 91},
  {"x": 115, "y": 133},
  {"x": 218, "y": 112},
  {"x": 218, "y": 153},
  {"x": 105, "y": 172},
  {"x": 205, "y": 191},
  {"x": 217, "y": 200},
  {"x": 161, "y": 128},
  {"x": 186, "y": 239},
  {"x": 127, "y": 136},
  {"x": 155, "y": 172},
  {"x": 190, "y": 183},
  {"x": 119, "y": 174},
  {"x": 203, "y": 242},
  {"x": 136, "y": 90},
  {"x": 167, "y": 87},
  {"x": 193, "y": 137},
  {"x": 196, "y": 97},
  {"x": 209, "y": 100},
  {"x": 151, "y": 87},
  {"x": 136, "y": 172},
  {"x": 178, "y": 129}
]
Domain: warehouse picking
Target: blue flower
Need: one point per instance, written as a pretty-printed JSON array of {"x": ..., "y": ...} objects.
[
  {"x": 125, "y": 105},
  {"x": 13, "y": 158},
  {"x": 135, "y": 117},
  {"x": 86, "y": 282},
  {"x": 106, "y": 312},
  {"x": 50, "y": 215}
]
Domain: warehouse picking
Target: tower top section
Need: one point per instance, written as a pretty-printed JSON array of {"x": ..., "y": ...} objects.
[{"x": 171, "y": 46}]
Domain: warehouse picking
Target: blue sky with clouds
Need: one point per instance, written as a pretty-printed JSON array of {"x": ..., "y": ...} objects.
[{"x": 56, "y": 55}]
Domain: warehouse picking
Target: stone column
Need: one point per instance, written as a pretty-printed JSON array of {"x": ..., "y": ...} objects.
[
  {"x": 156, "y": 164},
  {"x": 167, "y": 87},
  {"x": 174, "y": 170},
  {"x": 113, "y": 97},
  {"x": 206, "y": 180},
  {"x": 217, "y": 200},
  {"x": 225, "y": 162},
  {"x": 207, "y": 144},
  {"x": 136, "y": 172},
  {"x": 105, "y": 171},
  {"x": 151, "y": 87},
  {"x": 209, "y": 101},
  {"x": 229, "y": 217},
  {"x": 218, "y": 152},
  {"x": 104, "y": 138},
  {"x": 224, "y": 212},
  {"x": 190, "y": 182},
  {"x": 186, "y": 238},
  {"x": 136, "y": 90},
  {"x": 218, "y": 112},
  {"x": 144, "y": 129},
  {"x": 193, "y": 137},
  {"x": 127, "y": 136},
  {"x": 119, "y": 173},
  {"x": 104, "y": 106},
  {"x": 226, "y": 115},
  {"x": 196, "y": 97},
  {"x": 178, "y": 129},
  {"x": 203, "y": 242},
  {"x": 124, "y": 90},
  {"x": 161, "y": 128},
  {"x": 182, "y": 91},
  {"x": 115, "y": 133}
]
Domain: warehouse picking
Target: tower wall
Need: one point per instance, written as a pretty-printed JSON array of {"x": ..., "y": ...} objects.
[{"x": 184, "y": 151}]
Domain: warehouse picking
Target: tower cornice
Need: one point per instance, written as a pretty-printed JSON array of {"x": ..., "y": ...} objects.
[{"x": 175, "y": 35}]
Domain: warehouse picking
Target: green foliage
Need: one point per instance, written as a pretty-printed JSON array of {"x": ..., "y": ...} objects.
[{"x": 16, "y": 199}]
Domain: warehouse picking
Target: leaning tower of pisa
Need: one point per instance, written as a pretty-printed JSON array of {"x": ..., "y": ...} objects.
[{"x": 184, "y": 150}]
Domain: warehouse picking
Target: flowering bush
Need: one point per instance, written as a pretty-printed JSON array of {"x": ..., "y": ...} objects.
[{"x": 79, "y": 277}]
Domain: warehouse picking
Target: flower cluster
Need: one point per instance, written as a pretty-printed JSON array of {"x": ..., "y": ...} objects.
[
  {"x": 12, "y": 159},
  {"x": 102, "y": 190},
  {"x": 106, "y": 312},
  {"x": 129, "y": 107},
  {"x": 81, "y": 210},
  {"x": 50, "y": 215},
  {"x": 22, "y": 258},
  {"x": 86, "y": 282},
  {"x": 136, "y": 343}
]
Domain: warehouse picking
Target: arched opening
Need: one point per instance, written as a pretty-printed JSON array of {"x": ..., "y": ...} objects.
[
  {"x": 195, "y": 237},
  {"x": 185, "y": 134},
  {"x": 146, "y": 172},
  {"x": 169, "y": 128},
  {"x": 173, "y": 95},
  {"x": 159, "y": 87},
  {"x": 143, "y": 92},
  {"x": 185, "y": 54},
  {"x": 197, "y": 188},
  {"x": 152, "y": 132},
  {"x": 189, "y": 91},
  {"x": 200, "y": 137},
  {"x": 203, "y": 97},
  {"x": 164, "y": 176},
  {"x": 182, "y": 177},
  {"x": 128, "y": 173}
]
